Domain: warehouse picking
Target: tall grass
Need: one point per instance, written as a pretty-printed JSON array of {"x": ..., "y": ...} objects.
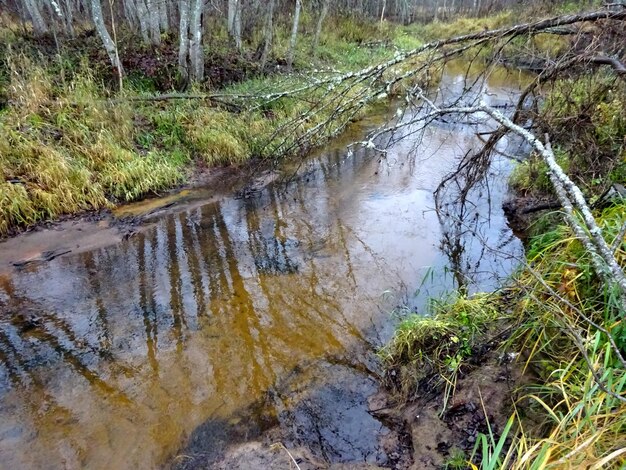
[
  {"x": 568, "y": 328},
  {"x": 68, "y": 143}
]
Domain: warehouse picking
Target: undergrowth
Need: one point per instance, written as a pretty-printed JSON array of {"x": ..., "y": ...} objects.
[
  {"x": 69, "y": 142},
  {"x": 586, "y": 118}
]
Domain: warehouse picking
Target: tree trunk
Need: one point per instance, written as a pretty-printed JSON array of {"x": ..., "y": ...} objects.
[
  {"x": 39, "y": 25},
  {"x": 153, "y": 21},
  {"x": 237, "y": 25},
  {"x": 143, "y": 17},
  {"x": 109, "y": 45},
  {"x": 320, "y": 23},
  {"x": 232, "y": 8},
  {"x": 195, "y": 46},
  {"x": 294, "y": 35},
  {"x": 164, "y": 21},
  {"x": 268, "y": 33},
  {"x": 183, "y": 40},
  {"x": 234, "y": 21},
  {"x": 69, "y": 18}
]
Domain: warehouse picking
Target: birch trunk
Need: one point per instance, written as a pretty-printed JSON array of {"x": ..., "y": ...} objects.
[
  {"x": 164, "y": 21},
  {"x": 109, "y": 45},
  {"x": 320, "y": 23},
  {"x": 195, "y": 46},
  {"x": 39, "y": 25},
  {"x": 143, "y": 16},
  {"x": 69, "y": 18},
  {"x": 183, "y": 41},
  {"x": 268, "y": 34},
  {"x": 294, "y": 34},
  {"x": 237, "y": 25},
  {"x": 153, "y": 21},
  {"x": 232, "y": 8}
]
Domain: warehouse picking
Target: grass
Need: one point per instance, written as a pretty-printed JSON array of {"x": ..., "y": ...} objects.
[
  {"x": 568, "y": 328},
  {"x": 567, "y": 325},
  {"x": 66, "y": 148},
  {"x": 439, "y": 343},
  {"x": 586, "y": 118}
]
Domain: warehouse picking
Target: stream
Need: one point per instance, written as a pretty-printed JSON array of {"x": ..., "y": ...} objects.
[{"x": 248, "y": 315}]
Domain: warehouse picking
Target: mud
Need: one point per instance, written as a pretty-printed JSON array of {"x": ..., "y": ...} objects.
[
  {"x": 84, "y": 232},
  {"x": 483, "y": 399}
]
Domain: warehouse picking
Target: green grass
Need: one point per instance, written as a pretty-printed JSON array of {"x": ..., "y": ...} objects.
[
  {"x": 65, "y": 148},
  {"x": 567, "y": 326},
  {"x": 439, "y": 342}
]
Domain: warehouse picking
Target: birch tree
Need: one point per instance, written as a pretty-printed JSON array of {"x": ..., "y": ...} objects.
[
  {"x": 234, "y": 21},
  {"x": 320, "y": 23},
  {"x": 109, "y": 45},
  {"x": 294, "y": 34},
  {"x": 153, "y": 21},
  {"x": 183, "y": 40},
  {"x": 196, "y": 53},
  {"x": 39, "y": 25},
  {"x": 268, "y": 33}
]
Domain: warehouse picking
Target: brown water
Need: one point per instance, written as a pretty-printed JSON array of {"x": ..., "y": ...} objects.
[{"x": 244, "y": 313}]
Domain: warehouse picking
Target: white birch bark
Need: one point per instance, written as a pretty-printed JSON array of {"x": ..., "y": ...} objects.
[
  {"x": 232, "y": 8},
  {"x": 109, "y": 45},
  {"x": 153, "y": 21},
  {"x": 143, "y": 18},
  {"x": 237, "y": 25},
  {"x": 183, "y": 40},
  {"x": 268, "y": 33},
  {"x": 164, "y": 22},
  {"x": 195, "y": 47},
  {"x": 294, "y": 34}
]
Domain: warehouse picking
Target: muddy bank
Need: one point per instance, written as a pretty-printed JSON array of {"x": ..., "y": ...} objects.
[
  {"x": 445, "y": 428},
  {"x": 89, "y": 231},
  {"x": 84, "y": 232}
]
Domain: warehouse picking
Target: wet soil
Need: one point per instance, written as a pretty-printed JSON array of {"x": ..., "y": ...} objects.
[
  {"x": 91, "y": 230},
  {"x": 483, "y": 400}
]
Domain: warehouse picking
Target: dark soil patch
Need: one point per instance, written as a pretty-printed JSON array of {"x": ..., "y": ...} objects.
[{"x": 483, "y": 396}]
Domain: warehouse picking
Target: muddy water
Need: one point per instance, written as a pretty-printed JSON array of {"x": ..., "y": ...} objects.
[{"x": 244, "y": 314}]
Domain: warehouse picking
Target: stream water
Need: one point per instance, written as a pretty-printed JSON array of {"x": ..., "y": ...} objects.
[{"x": 245, "y": 314}]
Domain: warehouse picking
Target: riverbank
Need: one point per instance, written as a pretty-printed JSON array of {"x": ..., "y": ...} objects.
[
  {"x": 71, "y": 142},
  {"x": 551, "y": 340}
]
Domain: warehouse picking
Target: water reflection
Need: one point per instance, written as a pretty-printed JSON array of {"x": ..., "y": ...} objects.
[{"x": 113, "y": 357}]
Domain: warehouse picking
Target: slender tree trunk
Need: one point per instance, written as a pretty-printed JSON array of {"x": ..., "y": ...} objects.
[
  {"x": 237, "y": 25},
  {"x": 109, "y": 45},
  {"x": 196, "y": 54},
  {"x": 232, "y": 9},
  {"x": 39, "y": 25},
  {"x": 164, "y": 21},
  {"x": 183, "y": 40},
  {"x": 153, "y": 21},
  {"x": 143, "y": 17},
  {"x": 294, "y": 34},
  {"x": 320, "y": 23},
  {"x": 234, "y": 21},
  {"x": 268, "y": 33},
  {"x": 68, "y": 15}
]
